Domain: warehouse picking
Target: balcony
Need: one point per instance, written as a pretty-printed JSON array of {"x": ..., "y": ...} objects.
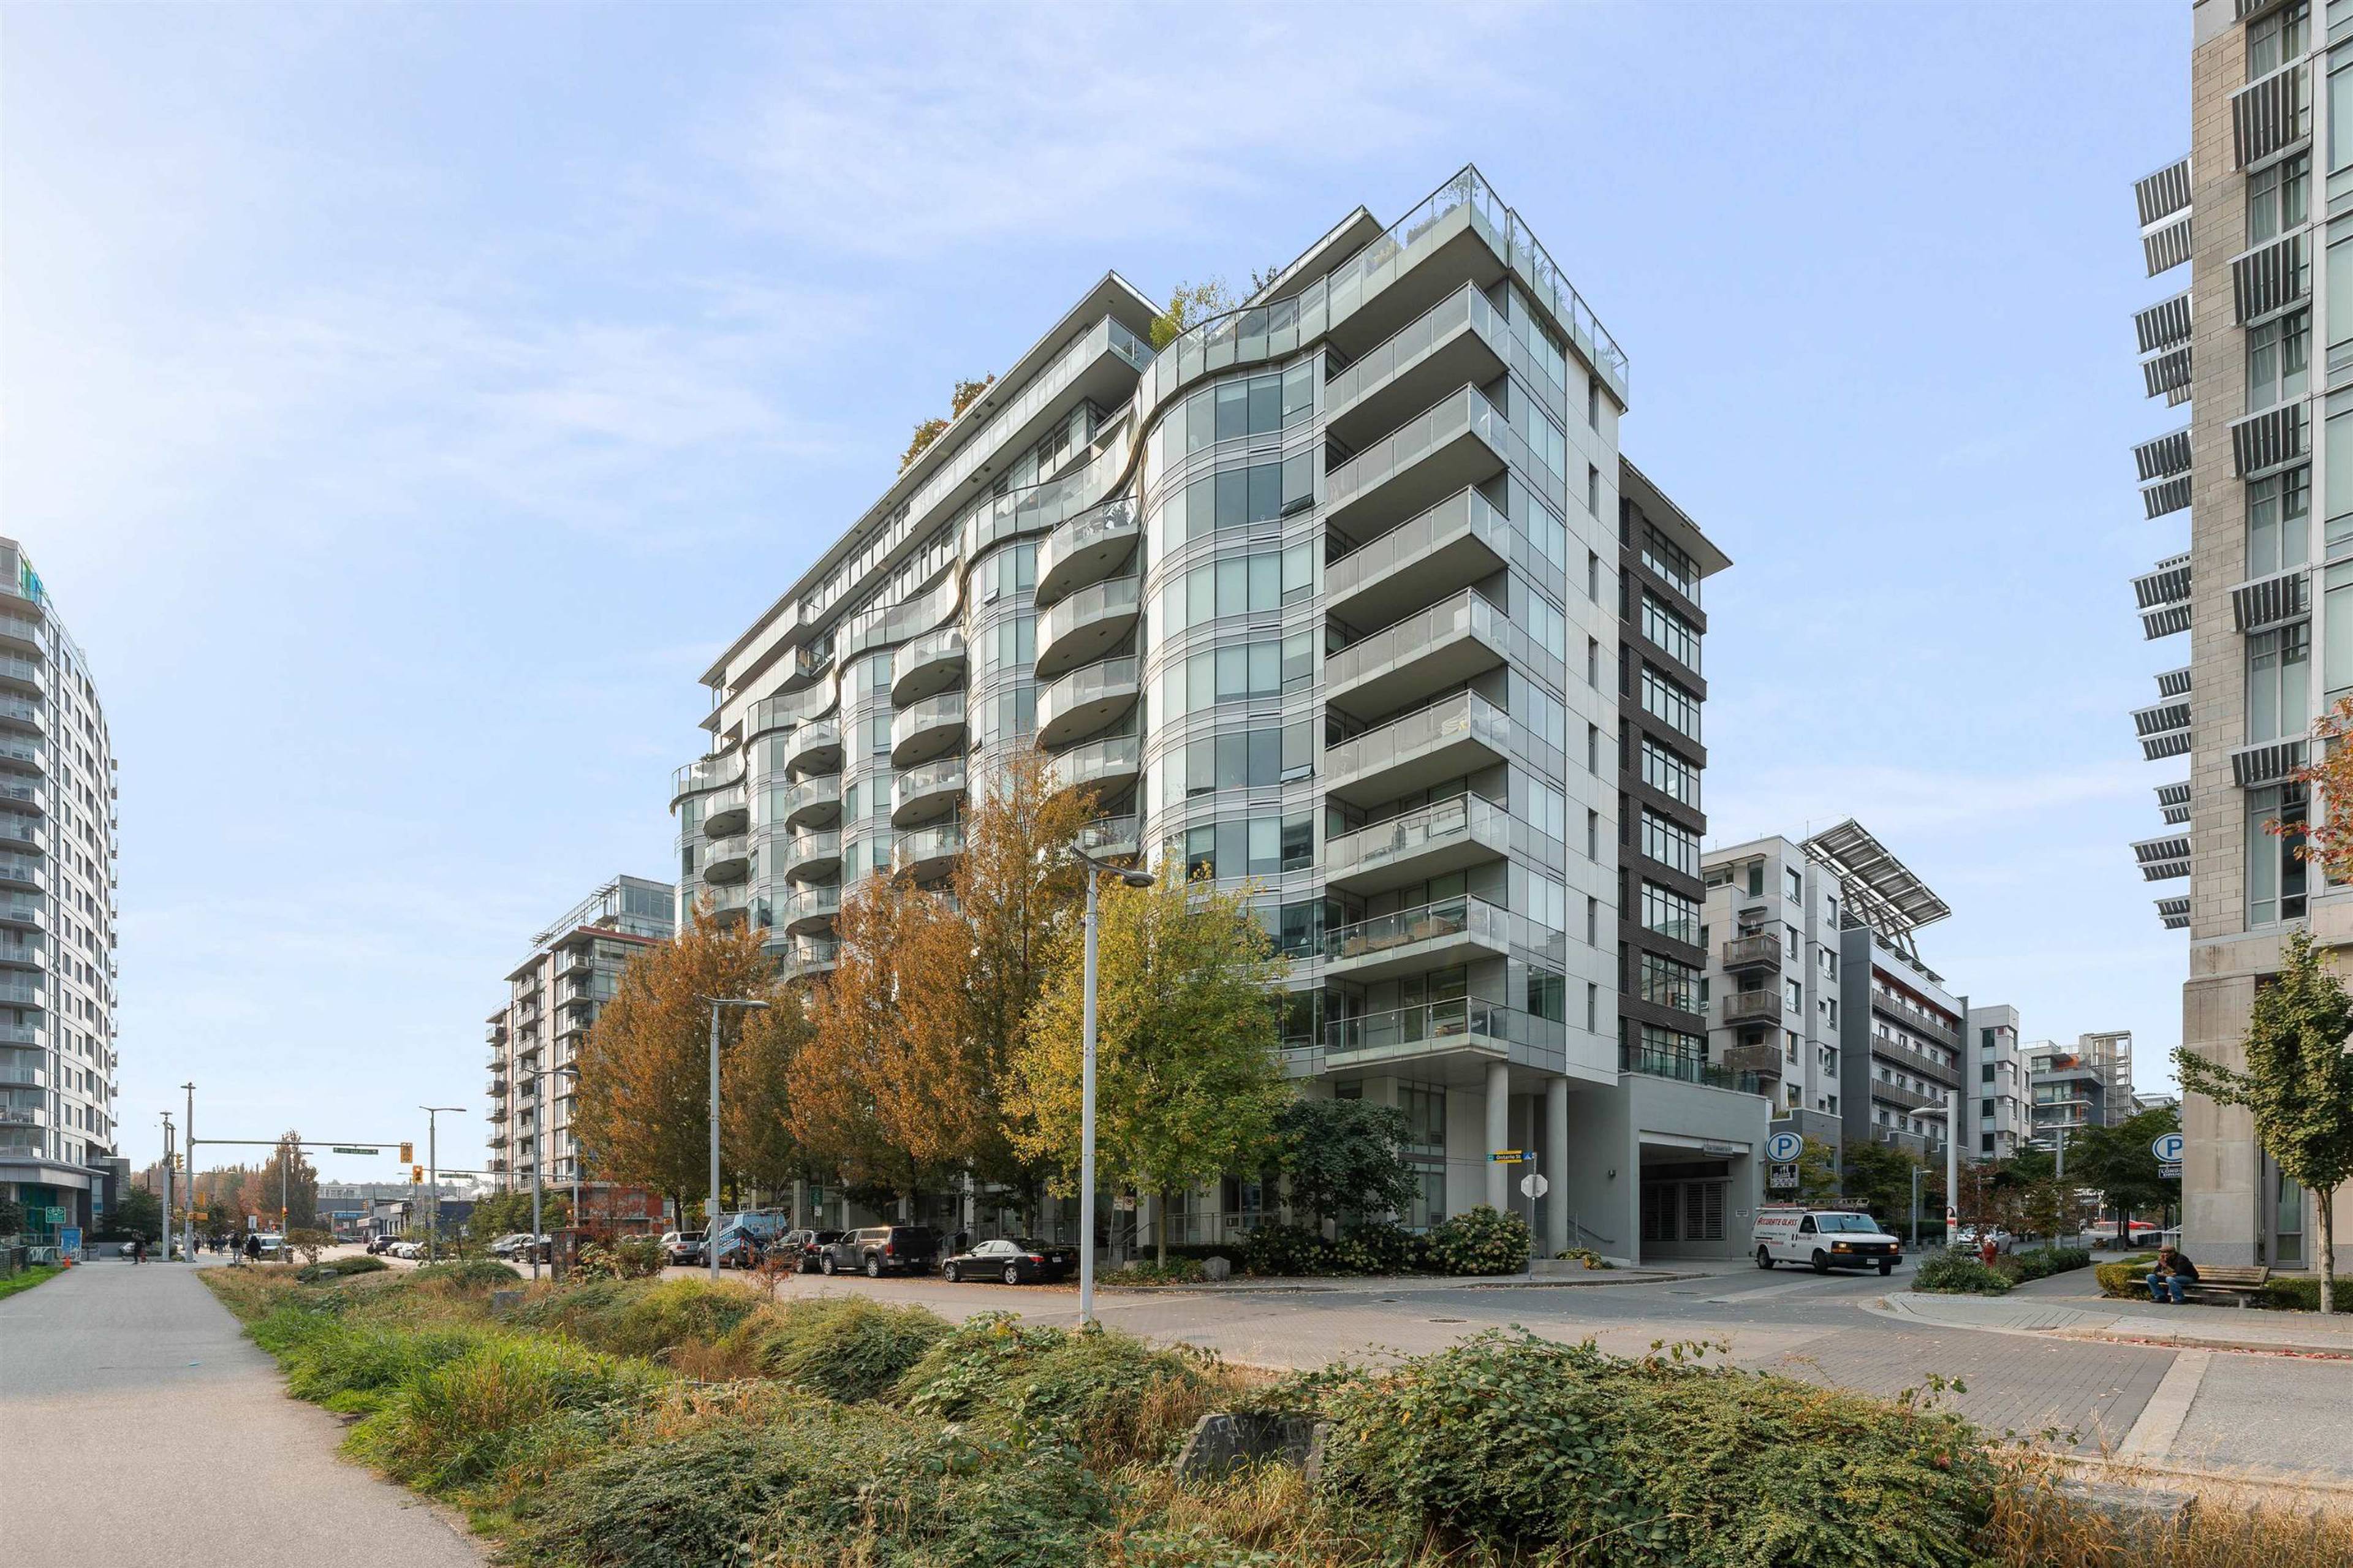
[
  {"x": 20, "y": 633},
  {"x": 808, "y": 855},
  {"x": 25, "y": 912},
  {"x": 33, "y": 795},
  {"x": 1452, "y": 737},
  {"x": 1750, "y": 1007},
  {"x": 705, "y": 775},
  {"x": 919, "y": 794},
  {"x": 1085, "y": 699},
  {"x": 931, "y": 664},
  {"x": 17, "y": 872},
  {"x": 1440, "y": 837},
  {"x": 814, "y": 748},
  {"x": 929, "y": 852},
  {"x": 24, "y": 749},
  {"x": 1411, "y": 941},
  {"x": 1411, "y": 660},
  {"x": 808, "y": 911},
  {"x": 726, "y": 813},
  {"x": 1113, "y": 837},
  {"x": 930, "y": 728},
  {"x": 1459, "y": 341},
  {"x": 727, "y": 859},
  {"x": 1685, "y": 1069},
  {"x": 23, "y": 954},
  {"x": 1761, "y": 951},
  {"x": 16, "y": 991},
  {"x": 817, "y": 800},
  {"x": 1458, "y": 443},
  {"x": 1107, "y": 766},
  {"x": 1753, "y": 1061},
  {"x": 1915, "y": 1061},
  {"x": 1465, "y": 1032},
  {"x": 17, "y": 712},
  {"x": 1907, "y": 1099},
  {"x": 810, "y": 956},
  {"x": 1918, "y": 1020},
  {"x": 728, "y": 904},
  {"x": 1458, "y": 542},
  {"x": 1086, "y": 548},
  {"x": 19, "y": 674},
  {"x": 1087, "y": 625}
]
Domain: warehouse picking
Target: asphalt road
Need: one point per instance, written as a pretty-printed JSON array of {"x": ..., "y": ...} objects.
[{"x": 137, "y": 1426}]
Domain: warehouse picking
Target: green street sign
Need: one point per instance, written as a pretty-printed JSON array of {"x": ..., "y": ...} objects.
[
  {"x": 1512, "y": 1157},
  {"x": 340, "y": 1149}
]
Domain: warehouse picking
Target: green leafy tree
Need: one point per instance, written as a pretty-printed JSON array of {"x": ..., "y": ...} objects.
[
  {"x": 2119, "y": 1162},
  {"x": 1344, "y": 1156},
  {"x": 1878, "y": 1180},
  {"x": 1188, "y": 1077},
  {"x": 504, "y": 1213},
  {"x": 138, "y": 1213},
  {"x": 960, "y": 398},
  {"x": 2297, "y": 1083},
  {"x": 288, "y": 1180},
  {"x": 1817, "y": 1177},
  {"x": 1189, "y": 304}
]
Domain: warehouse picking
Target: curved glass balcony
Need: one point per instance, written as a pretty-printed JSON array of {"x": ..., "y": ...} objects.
[
  {"x": 20, "y": 991},
  {"x": 24, "y": 910},
  {"x": 811, "y": 909},
  {"x": 727, "y": 859},
  {"x": 811, "y": 801},
  {"x": 17, "y": 711},
  {"x": 22, "y": 833},
  {"x": 1086, "y": 700},
  {"x": 806, "y": 957},
  {"x": 707, "y": 773},
  {"x": 726, "y": 813},
  {"x": 1108, "y": 765},
  {"x": 727, "y": 904},
  {"x": 922, "y": 793},
  {"x": 27, "y": 954},
  {"x": 814, "y": 748},
  {"x": 927, "y": 730},
  {"x": 1087, "y": 549},
  {"x": 1086, "y": 625},
  {"x": 1113, "y": 837},
  {"x": 811, "y": 855},
  {"x": 930, "y": 852},
  {"x": 17, "y": 871},
  {"x": 932, "y": 663}
]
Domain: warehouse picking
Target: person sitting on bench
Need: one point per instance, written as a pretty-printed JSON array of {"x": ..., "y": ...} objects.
[{"x": 2173, "y": 1274}]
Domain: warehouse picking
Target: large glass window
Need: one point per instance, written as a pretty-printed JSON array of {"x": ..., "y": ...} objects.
[
  {"x": 2279, "y": 683},
  {"x": 1259, "y": 758},
  {"x": 1010, "y": 643},
  {"x": 1666, "y": 557},
  {"x": 2277, "y": 198},
  {"x": 2338, "y": 282},
  {"x": 1237, "y": 497},
  {"x": 1670, "y": 913},
  {"x": 1665, "y": 700},
  {"x": 2337, "y": 639},
  {"x": 1013, "y": 570},
  {"x": 1238, "y": 584},
  {"x": 1669, "y": 843},
  {"x": 2275, "y": 40},
  {"x": 1669, "y": 631},
  {"x": 2279, "y": 523},
  {"x": 2275, "y": 874},
  {"x": 1669, "y": 774},
  {"x": 1240, "y": 671},
  {"x": 1669, "y": 983},
  {"x": 2279, "y": 360}
]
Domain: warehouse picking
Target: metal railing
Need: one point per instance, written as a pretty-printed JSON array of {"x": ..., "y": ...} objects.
[
  {"x": 1465, "y": 715},
  {"x": 1442, "y": 822},
  {"x": 1461, "y": 915}
]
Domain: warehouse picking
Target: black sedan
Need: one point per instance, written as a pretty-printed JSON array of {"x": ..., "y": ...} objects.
[
  {"x": 1015, "y": 1262},
  {"x": 807, "y": 1244}
]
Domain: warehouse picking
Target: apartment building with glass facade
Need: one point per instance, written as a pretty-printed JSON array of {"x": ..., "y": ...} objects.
[
  {"x": 1323, "y": 593},
  {"x": 553, "y": 998},
  {"x": 59, "y": 1002},
  {"x": 1998, "y": 1126},
  {"x": 2253, "y": 230},
  {"x": 1773, "y": 946},
  {"x": 2087, "y": 1084}
]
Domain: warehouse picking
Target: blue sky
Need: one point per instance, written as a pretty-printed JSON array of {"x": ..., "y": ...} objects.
[{"x": 406, "y": 403}]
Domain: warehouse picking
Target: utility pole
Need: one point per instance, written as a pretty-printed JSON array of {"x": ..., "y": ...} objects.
[
  {"x": 189, "y": 1131},
  {"x": 167, "y": 1184},
  {"x": 1087, "y": 1085},
  {"x": 711, "y": 1227},
  {"x": 433, "y": 1192}
]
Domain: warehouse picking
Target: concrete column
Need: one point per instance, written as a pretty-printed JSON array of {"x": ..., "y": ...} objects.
[
  {"x": 1499, "y": 1134},
  {"x": 1556, "y": 1167},
  {"x": 800, "y": 1204}
]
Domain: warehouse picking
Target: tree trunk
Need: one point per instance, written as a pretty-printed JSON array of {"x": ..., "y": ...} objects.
[
  {"x": 2327, "y": 1205},
  {"x": 1167, "y": 1202}
]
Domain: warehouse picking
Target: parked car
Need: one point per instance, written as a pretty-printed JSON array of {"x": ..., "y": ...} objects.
[
  {"x": 1967, "y": 1239},
  {"x": 739, "y": 1247},
  {"x": 1015, "y": 1261},
  {"x": 273, "y": 1246},
  {"x": 410, "y": 1251},
  {"x": 880, "y": 1250},
  {"x": 1825, "y": 1238},
  {"x": 378, "y": 1245},
  {"x": 805, "y": 1244},
  {"x": 682, "y": 1247},
  {"x": 517, "y": 1246}
]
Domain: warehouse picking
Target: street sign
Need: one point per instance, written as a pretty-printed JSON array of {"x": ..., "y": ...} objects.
[
  {"x": 2167, "y": 1147},
  {"x": 2170, "y": 1170},
  {"x": 1721, "y": 1146},
  {"x": 342, "y": 1149},
  {"x": 1512, "y": 1157},
  {"x": 69, "y": 1237},
  {"x": 1535, "y": 1185},
  {"x": 1784, "y": 1147},
  {"x": 1782, "y": 1177}
]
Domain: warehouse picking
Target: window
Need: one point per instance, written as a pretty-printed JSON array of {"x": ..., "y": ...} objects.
[
  {"x": 1667, "y": 558},
  {"x": 1238, "y": 584},
  {"x": 1013, "y": 570},
  {"x": 1669, "y": 773},
  {"x": 1548, "y": 902},
  {"x": 1547, "y": 995},
  {"x": 2278, "y": 198},
  {"x": 2279, "y": 355},
  {"x": 2279, "y": 512},
  {"x": 1549, "y": 625},
  {"x": 1259, "y": 758},
  {"x": 1669, "y": 843},
  {"x": 1669, "y": 632},
  {"x": 1669, "y": 913},
  {"x": 1237, "y": 497},
  {"x": 2336, "y": 618},
  {"x": 1548, "y": 810},
  {"x": 2275, "y": 39},
  {"x": 1665, "y": 700},
  {"x": 2275, "y": 877},
  {"x": 1012, "y": 643},
  {"x": 1240, "y": 671},
  {"x": 2279, "y": 698},
  {"x": 1668, "y": 984},
  {"x": 1593, "y": 576}
]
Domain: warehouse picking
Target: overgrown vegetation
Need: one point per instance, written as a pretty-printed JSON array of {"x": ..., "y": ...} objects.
[
  {"x": 1956, "y": 1274},
  {"x": 25, "y": 1279},
  {"x": 841, "y": 1432},
  {"x": 339, "y": 1267}
]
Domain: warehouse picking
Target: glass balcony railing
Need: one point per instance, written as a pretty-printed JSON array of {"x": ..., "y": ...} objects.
[
  {"x": 1099, "y": 535},
  {"x": 1464, "y": 1021},
  {"x": 810, "y": 799},
  {"x": 1685, "y": 1068},
  {"x": 1427, "y": 922},
  {"x": 1464, "y": 716},
  {"x": 935, "y": 657},
  {"x": 17, "y": 993},
  {"x": 1108, "y": 686},
  {"x": 1466, "y": 307},
  {"x": 1108, "y": 764},
  {"x": 929, "y": 783},
  {"x": 1459, "y": 819},
  {"x": 929, "y": 724},
  {"x": 805, "y": 851},
  {"x": 928, "y": 847},
  {"x": 812, "y": 742},
  {"x": 810, "y": 905},
  {"x": 1106, "y": 608},
  {"x": 1112, "y": 836},
  {"x": 708, "y": 773}
]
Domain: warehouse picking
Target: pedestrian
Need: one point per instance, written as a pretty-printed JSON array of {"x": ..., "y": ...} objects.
[
  {"x": 252, "y": 1249},
  {"x": 2172, "y": 1275},
  {"x": 1986, "y": 1250},
  {"x": 138, "y": 1249}
]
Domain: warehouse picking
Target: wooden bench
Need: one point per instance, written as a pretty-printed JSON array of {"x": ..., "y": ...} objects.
[{"x": 2241, "y": 1285}]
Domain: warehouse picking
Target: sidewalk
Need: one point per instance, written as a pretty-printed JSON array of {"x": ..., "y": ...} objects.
[
  {"x": 1395, "y": 1283},
  {"x": 2130, "y": 1322},
  {"x": 137, "y": 1425}
]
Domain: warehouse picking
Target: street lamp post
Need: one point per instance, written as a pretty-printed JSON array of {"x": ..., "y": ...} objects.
[
  {"x": 188, "y": 1137},
  {"x": 167, "y": 1186},
  {"x": 1094, "y": 867},
  {"x": 433, "y": 1174},
  {"x": 711, "y": 1220}
]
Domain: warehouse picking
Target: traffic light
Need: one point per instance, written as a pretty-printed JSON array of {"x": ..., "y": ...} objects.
[
  {"x": 407, "y": 1154},
  {"x": 416, "y": 1174}
]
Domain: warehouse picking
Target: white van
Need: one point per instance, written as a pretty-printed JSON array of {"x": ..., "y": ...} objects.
[{"x": 1823, "y": 1238}]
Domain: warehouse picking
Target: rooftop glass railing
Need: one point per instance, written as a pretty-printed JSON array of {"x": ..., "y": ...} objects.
[{"x": 708, "y": 773}]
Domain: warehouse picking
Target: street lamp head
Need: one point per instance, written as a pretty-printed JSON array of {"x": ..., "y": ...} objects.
[
  {"x": 1134, "y": 878},
  {"x": 750, "y": 1003}
]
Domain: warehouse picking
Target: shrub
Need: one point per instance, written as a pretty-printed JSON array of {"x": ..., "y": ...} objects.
[
  {"x": 462, "y": 1423},
  {"x": 627, "y": 1257},
  {"x": 358, "y": 1366},
  {"x": 845, "y": 1347},
  {"x": 1519, "y": 1444},
  {"x": 869, "y": 1485},
  {"x": 2126, "y": 1276},
  {"x": 1287, "y": 1251},
  {"x": 2042, "y": 1262},
  {"x": 1109, "y": 1394},
  {"x": 336, "y": 1268},
  {"x": 1381, "y": 1247},
  {"x": 673, "y": 1313},
  {"x": 1586, "y": 1256},
  {"x": 480, "y": 1274},
  {"x": 1482, "y": 1240},
  {"x": 2303, "y": 1295},
  {"x": 1145, "y": 1271},
  {"x": 1956, "y": 1274}
]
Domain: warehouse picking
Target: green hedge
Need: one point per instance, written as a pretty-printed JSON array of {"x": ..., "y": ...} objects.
[
  {"x": 2125, "y": 1276},
  {"x": 1955, "y": 1274}
]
